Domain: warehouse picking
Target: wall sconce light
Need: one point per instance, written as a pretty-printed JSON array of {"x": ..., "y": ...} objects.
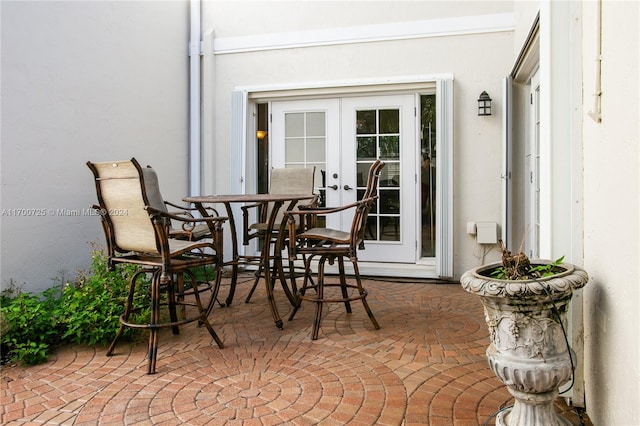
[
  {"x": 260, "y": 134},
  {"x": 484, "y": 104}
]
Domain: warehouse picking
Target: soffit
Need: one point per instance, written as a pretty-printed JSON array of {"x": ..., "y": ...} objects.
[{"x": 310, "y": 90}]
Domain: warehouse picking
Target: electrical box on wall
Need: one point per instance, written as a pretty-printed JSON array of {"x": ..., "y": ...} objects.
[{"x": 486, "y": 233}]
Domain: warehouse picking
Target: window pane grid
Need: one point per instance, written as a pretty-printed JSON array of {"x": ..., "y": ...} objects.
[
  {"x": 378, "y": 137},
  {"x": 305, "y": 144}
]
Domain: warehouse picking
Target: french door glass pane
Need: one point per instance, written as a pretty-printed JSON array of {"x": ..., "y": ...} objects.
[
  {"x": 294, "y": 125},
  {"x": 316, "y": 150},
  {"x": 428, "y": 175},
  {"x": 305, "y": 144},
  {"x": 389, "y": 121},
  {"x": 389, "y": 147},
  {"x": 366, "y": 122},
  {"x": 315, "y": 124},
  {"x": 295, "y": 150},
  {"x": 378, "y": 137},
  {"x": 366, "y": 147}
]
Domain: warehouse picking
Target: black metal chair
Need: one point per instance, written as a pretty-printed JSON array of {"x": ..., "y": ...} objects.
[
  {"x": 331, "y": 244},
  {"x": 282, "y": 181},
  {"x": 139, "y": 234}
]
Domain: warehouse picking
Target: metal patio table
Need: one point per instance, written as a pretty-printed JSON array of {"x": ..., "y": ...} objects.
[{"x": 265, "y": 258}]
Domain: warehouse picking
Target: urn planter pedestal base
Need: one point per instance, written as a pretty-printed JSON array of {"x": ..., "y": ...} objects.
[{"x": 529, "y": 350}]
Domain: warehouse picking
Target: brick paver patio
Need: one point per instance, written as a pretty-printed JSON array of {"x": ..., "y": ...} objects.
[{"x": 425, "y": 366}]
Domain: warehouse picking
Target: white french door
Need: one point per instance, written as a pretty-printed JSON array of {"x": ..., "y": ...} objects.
[{"x": 342, "y": 137}]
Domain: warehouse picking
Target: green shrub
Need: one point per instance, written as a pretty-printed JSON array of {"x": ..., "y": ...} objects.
[
  {"x": 90, "y": 306},
  {"x": 83, "y": 311},
  {"x": 30, "y": 325}
]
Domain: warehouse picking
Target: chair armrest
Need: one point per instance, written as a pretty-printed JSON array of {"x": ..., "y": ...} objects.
[
  {"x": 312, "y": 213},
  {"x": 185, "y": 211},
  {"x": 313, "y": 204},
  {"x": 208, "y": 219},
  {"x": 245, "y": 220},
  {"x": 303, "y": 216},
  {"x": 320, "y": 210},
  {"x": 190, "y": 209}
]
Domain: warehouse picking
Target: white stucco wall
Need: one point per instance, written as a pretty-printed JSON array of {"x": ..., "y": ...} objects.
[
  {"x": 83, "y": 81},
  {"x": 612, "y": 216},
  {"x": 476, "y": 61},
  {"x": 255, "y": 17},
  {"x": 101, "y": 80}
]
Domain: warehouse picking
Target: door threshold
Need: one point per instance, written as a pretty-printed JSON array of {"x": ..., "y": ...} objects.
[{"x": 378, "y": 269}]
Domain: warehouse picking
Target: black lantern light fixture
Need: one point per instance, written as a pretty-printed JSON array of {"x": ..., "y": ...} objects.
[{"x": 484, "y": 104}]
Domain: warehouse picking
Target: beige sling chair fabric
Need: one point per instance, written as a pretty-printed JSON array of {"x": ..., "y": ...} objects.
[{"x": 138, "y": 233}]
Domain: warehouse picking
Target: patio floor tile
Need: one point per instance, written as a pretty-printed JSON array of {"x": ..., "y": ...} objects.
[{"x": 425, "y": 366}]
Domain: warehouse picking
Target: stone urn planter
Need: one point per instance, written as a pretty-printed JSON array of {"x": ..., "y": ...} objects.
[{"x": 529, "y": 351}]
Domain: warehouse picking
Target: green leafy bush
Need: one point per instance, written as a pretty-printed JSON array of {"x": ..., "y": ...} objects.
[
  {"x": 30, "y": 325},
  {"x": 83, "y": 311},
  {"x": 90, "y": 306}
]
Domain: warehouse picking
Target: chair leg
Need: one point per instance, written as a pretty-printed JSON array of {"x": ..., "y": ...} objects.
[
  {"x": 154, "y": 320},
  {"x": 171, "y": 299},
  {"x": 303, "y": 289},
  {"x": 279, "y": 267},
  {"x": 214, "y": 292},
  {"x": 292, "y": 280},
  {"x": 204, "y": 312},
  {"x": 128, "y": 308},
  {"x": 364, "y": 299},
  {"x": 319, "y": 299},
  {"x": 343, "y": 285},
  {"x": 255, "y": 284}
]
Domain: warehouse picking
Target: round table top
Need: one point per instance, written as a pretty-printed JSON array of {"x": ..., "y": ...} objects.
[{"x": 243, "y": 198}]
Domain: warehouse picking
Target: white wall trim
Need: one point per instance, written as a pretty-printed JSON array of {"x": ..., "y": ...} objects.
[
  {"x": 337, "y": 87},
  {"x": 367, "y": 33},
  {"x": 444, "y": 178},
  {"x": 238, "y": 138}
]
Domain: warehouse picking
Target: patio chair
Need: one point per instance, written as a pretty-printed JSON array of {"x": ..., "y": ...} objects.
[
  {"x": 282, "y": 181},
  {"x": 190, "y": 231},
  {"x": 138, "y": 234},
  {"x": 329, "y": 245}
]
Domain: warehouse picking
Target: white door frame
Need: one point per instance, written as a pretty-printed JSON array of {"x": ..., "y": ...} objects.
[
  {"x": 532, "y": 199},
  {"x": 443, "y": 83},
  {"x": 341, "y": 162}
]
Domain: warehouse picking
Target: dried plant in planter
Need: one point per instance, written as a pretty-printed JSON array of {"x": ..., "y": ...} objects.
[
  {"x": 518, "y": 266},
  {"x": 515, "y": 266}
]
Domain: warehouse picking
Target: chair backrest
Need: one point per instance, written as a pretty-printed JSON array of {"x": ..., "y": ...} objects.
[
  {"x": 361, "y": 216},
  {"x": 373, "y": 178},
  {"x": 152, "y": 188},
  {"x": 290, "y": 181},
  {"x": 122, "y": 197}
]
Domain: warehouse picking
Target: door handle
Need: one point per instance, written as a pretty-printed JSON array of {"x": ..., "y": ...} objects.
[
  {"x": 334, "y": 187},
  {"x": 347, "y": 188}
]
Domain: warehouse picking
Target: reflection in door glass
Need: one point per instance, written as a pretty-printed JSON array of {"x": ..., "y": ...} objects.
[
  {"x": 366, "y": 148},
  {"x": 378, "y": 137},
  {"x": 428, "y": 174},
  {"x": 390, "y": 121},
  {"x": 389, "y": 148}
]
